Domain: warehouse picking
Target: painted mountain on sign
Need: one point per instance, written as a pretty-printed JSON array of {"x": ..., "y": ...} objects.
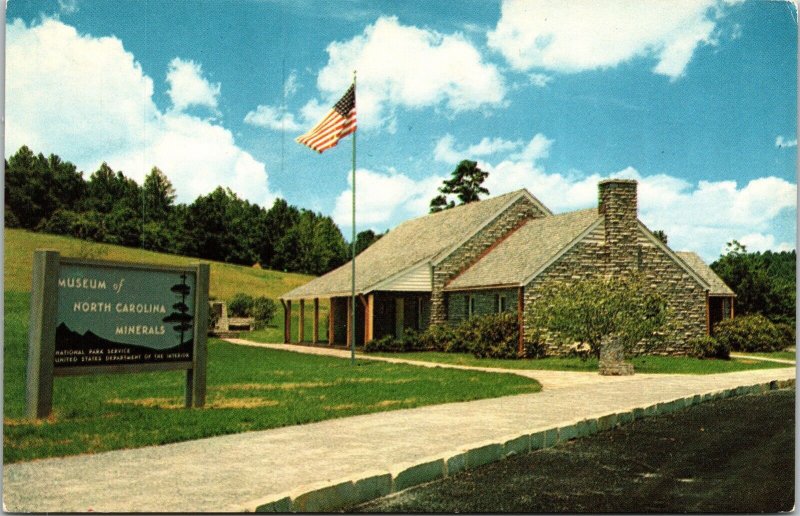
[{"x": 71, "y": 344}]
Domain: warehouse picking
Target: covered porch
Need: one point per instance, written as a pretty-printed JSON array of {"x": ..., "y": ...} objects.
[
  {"x": 719, "y": 308},
  {"x": 377, "y": 314}
]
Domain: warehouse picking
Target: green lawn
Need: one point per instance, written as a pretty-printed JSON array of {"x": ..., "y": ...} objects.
[
  {"x": 643, "y": 364},
  {"x": 248, "y": 389}
]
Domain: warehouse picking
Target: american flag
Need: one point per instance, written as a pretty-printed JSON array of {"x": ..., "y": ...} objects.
[{"x": 335, "y": 125}]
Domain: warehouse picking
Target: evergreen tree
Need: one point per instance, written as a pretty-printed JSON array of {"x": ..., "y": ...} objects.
[{"x": 466, "y": 184}]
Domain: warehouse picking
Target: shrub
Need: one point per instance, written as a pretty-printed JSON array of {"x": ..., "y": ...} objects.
[
  {"x": 491, "y": 336},
  {"x": 788, "y": 334},
  {"x": 410, "y": 341},
  {"x": 263, "y": 310},
  {"x": 749, "y": 333},
  {"x": 439, "y": 337},
  {"x": 709, "y": 347},
  {"x": 240, "y": 305}
]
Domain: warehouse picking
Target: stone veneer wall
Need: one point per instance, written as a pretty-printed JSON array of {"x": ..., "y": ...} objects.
[
  {"x": 522, "y": 210},
  {"x": 590, "y": 257},
  {"x": 485, "y": 303}
]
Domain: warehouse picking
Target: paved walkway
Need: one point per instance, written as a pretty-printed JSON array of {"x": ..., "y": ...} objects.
[
  {"x": 763, "y": 359},
  {"x": 235, "y": 472}
]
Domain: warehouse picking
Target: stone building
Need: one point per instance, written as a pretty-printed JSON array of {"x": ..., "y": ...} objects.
[{"x": 494, "y": 255}]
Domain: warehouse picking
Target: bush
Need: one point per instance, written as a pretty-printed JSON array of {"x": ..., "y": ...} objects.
[
  {"x": 788, "y": 334},
  {"x": 240, "y": 305},
  {"x": 438, "y": 338},
  {"x": 410, "y": 341},
  {"x": 263, "y": 310},
  {"x": 750, "y": 333},
  {"x": 709, "y": 347},
  {"x": 491, "y": 336}
]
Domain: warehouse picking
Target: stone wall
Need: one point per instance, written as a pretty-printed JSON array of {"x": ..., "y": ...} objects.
[
  {"x": 686, "y": 299},
  {"x": 485, "y": 303},
  {"x": 467, "y": 254}
]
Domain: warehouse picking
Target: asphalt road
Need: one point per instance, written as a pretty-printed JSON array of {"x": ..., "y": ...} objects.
[{"x": 732, "y": 455}]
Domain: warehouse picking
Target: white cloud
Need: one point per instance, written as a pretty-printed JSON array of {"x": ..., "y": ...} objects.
[
  {"x": 290, "y": 85},
  {"x": 384, "y": 197},
  {"x": 446, "y": 152},
  {"x": 401, "y": 65},
  {"x": 761, "y": 242},
  {"x": 188, "y": 87},
  {"x": 113, "y": 117},
  {"x": 574, "y": 35},
  {"x": 272, "y": 118},
  {"x": 782, "y": 142},
  {"x": 698, "y": 216},
  {"x": 68, "y": 6},
  {"x": 539, "y": 79}
]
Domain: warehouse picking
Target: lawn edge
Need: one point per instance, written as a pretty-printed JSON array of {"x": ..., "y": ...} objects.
[{"x": 338, "y": 494}]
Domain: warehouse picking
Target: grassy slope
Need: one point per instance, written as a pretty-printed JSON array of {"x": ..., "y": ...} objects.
[
  {"x": 248, "y": 389},
  {"x": 643, "y": 364},
  {"x": 226, "y": 279}
]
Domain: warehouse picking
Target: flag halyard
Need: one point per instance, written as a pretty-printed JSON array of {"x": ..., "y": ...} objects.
[{"x": 339, "y": 122}]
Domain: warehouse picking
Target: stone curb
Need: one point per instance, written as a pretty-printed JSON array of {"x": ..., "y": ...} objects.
[{"x": 331, "y": 496}]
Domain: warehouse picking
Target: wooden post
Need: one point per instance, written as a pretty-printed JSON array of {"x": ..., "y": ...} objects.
[
  {"x": 315, "y": 338},
  {"x": 196, "y": 376},
  {"x": 369, "y": 315},
  {"x": 331, "y": 311},
  {"x": 733, "y": 299},
  {"x": 287, "y": 329},
  {"x": 42, "y": 334},
  {"x": 365, "y": 303},
  {"x": 301, "y": 322},
  {"x": 349, "y": 321},
  {"x": 521, "y": 321}
]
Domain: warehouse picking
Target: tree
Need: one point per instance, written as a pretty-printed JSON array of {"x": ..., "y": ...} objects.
[
  {"x": 596, "y": 310},
  {"x": 365, "y": 239},
  {"x": 661, "y": 235},
  {"x": 159, "y": 196},
  {"x": 764, "y": 283},
  {"x": 465, "y": 183}
]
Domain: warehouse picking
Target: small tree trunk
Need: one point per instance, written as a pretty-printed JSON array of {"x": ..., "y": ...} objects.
[{"x": 612, "y": 358}]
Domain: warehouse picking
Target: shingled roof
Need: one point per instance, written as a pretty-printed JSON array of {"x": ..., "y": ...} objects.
[
  {"x": 526, "y": 251},
  {"x": 718, "y": 287},
  {"x": 413, "y": 242}
]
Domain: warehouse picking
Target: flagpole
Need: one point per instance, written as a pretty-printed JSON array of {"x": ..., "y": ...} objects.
[{"x": 353, "y": 251}]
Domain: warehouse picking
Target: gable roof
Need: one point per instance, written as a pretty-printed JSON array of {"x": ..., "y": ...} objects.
[
  {"x": 717, "y": 286},
  {"x": 524, "y": 253},
  {"x": 410, "y": 244}
]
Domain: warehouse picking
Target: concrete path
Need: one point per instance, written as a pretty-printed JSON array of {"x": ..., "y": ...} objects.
[
  {"x": 763, "y": 359},
  {"x": 548, "y": 379},
  {"x": 243, "y": 471}
]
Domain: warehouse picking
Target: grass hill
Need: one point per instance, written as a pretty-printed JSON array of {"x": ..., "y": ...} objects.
[{"x": 226, "y": 279}]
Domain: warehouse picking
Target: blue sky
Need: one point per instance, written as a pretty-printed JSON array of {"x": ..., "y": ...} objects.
[{"x": 696, "y": 99}]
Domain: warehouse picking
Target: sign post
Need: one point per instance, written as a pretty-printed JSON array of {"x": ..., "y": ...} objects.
[{"x": 91, "y": 317}]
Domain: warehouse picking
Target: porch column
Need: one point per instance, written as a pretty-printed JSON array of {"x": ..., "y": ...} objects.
[
  {"x": 301, "y": 321},
  {"x": 287, "y": 321},
  {"x": 708, "y": 314},
  {"x": 316, "y": 321},
  {"x": 369, "y": 318},
  {"x": 521, "y": 321},
  {"x": 349, "y": 320},
  {"x": 331, "y": 311},
  {"x": 367, "y": 323},
  {"x": 733, "y": 300}
]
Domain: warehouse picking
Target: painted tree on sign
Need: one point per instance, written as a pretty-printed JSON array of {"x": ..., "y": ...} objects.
[
  {"x": 180, "y": 315},
  {"x": 595, "y": 310}
]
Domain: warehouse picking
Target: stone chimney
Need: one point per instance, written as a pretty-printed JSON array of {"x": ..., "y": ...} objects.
[{"x": 618, "y": 204}]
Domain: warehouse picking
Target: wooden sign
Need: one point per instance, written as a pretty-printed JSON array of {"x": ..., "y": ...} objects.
[{"x": 90, "y": 317}]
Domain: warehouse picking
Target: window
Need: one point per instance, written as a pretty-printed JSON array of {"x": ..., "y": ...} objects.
[
  {"x": 469, "y": 306},
  {"x": 500, "y": 303}
]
